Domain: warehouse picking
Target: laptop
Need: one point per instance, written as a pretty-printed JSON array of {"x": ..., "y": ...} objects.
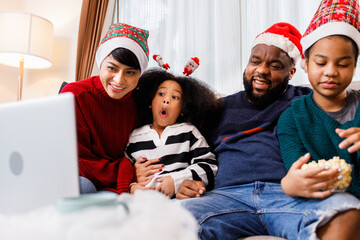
[{"x": 38, "y": 153}]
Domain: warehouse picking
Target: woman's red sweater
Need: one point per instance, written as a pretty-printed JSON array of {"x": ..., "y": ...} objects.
[{"x": 103, "y": 128}]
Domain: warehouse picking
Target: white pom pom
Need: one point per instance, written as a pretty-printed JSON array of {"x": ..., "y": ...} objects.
[{"x": 302, "y": 64}]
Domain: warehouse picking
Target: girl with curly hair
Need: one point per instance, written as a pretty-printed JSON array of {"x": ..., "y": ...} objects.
[{"x": 172, "y": 110}]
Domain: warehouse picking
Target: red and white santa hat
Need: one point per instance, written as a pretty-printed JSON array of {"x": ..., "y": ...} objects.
[
  {"x": 333, "y": 17},
  {"x": 284, "y": 36},
  {"x": 125, "y": 36}
]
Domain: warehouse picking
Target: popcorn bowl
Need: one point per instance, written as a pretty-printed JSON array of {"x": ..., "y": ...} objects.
[{"x": 346, "y": 169}]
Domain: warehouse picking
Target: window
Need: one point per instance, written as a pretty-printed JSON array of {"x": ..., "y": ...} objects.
[{"x": 218, "y": 32}]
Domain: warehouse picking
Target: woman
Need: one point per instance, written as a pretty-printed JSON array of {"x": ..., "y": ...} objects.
[{"x": 106, "y": 112}]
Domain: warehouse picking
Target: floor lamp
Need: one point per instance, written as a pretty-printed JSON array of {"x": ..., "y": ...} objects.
[{"x": 25, "y": 42}]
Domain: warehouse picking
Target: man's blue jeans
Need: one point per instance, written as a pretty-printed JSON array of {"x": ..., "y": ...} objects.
[{"x": 263, "y": 209}]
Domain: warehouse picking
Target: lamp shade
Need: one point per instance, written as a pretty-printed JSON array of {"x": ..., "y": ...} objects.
[{"x": 25, "y": 36}]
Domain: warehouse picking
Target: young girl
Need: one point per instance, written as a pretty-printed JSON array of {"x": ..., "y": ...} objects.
[
  {"x": 326, "y": 122},
  {"x": 171, "y": 110}
]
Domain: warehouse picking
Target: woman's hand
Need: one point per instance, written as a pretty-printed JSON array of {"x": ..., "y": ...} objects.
[
  {"x": 352, "y": 137},
  {"x": 145, "y": 169},
  {"x": 308, "y": 183},
  {"x": 190, "y": 189},
  {"x": 166, "y": 186}
]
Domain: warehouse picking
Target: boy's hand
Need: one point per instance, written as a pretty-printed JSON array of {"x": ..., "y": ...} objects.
[
  {"x": 310, "y": 182},
  {"x": 144, "y": 169},
  {"x": 166, "y": 186},
  {"x": 190, "y": 189},
  {"x": 352, "y": 137}
]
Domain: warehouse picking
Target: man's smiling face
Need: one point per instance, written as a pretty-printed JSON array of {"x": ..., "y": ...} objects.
[{"x": 267, "y": 74}]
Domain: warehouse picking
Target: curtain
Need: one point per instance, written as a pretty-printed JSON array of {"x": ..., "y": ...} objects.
[
  {"x": 258, "y": 15},
  {"x": 219, "y": 32},
  {"x": 179, "y": 30},
  {"x": 93, "y": 13}
]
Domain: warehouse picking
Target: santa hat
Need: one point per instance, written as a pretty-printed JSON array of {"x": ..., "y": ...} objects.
[
  {"x": 125, "y": 36},
  {"x": 195, "y": 61},
  {"x": 155, "y": 57},
  {"x": 333, "y": 17},
  {"x": 284, "y": 36}
]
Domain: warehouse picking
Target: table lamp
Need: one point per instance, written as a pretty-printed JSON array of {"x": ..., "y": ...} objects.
[{"x": 25, "y": 41}]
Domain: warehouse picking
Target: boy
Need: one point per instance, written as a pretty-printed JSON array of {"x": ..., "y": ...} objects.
[{"x": 315, "y": 125}]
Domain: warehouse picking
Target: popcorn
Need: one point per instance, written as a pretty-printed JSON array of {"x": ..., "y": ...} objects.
[{"x": 335, "y": 162}]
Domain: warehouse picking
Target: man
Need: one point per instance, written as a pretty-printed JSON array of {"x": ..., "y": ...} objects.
[{"x": 247, "y": 198}]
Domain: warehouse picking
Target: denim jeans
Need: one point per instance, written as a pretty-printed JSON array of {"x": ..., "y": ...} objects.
[
  {"x": 86, "y": 186},
  {"x": 263, "y": 209}
]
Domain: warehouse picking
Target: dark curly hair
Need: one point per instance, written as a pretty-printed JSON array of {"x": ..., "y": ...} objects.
[{"x": 199, "y": 105}]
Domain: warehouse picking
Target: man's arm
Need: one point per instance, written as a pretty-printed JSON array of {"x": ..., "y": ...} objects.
[{"x": 190, "y": 189}]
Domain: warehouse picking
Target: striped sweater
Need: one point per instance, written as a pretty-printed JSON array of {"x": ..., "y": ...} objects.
[{"x": 182, "y": 149}]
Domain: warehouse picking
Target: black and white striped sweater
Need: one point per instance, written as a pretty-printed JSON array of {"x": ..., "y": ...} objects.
[{"x": 182, "y": 149}]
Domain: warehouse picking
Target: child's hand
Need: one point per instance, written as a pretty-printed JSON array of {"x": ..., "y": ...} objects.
[
  {"x": 352, "y": 137},
  {"x": 310, "y": 182},
  {"x": 138, "y": 186},
  {"x": 144, "y": 169},
  {"x": 166, "y": 186}
]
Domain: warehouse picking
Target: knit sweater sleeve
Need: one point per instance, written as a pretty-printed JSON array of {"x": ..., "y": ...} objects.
[
  {"x": 106, "y": 173},
  {"x": 291, "y": 147}
]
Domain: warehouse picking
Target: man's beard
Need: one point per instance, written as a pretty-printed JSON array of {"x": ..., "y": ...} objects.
[{"x": 269, "y": 97}]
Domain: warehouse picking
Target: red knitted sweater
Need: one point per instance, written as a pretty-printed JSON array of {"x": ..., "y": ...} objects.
[{"x": 103, "y": 128}]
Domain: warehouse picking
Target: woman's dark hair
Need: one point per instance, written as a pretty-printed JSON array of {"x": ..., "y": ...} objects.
[
  {"x": 126, "y": 57},
  {"x": 346, "y": 38},
  {"x": 199, "y": 105}
]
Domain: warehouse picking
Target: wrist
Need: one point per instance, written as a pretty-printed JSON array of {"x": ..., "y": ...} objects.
[
  {"x": 131, "y": 187},
  {"x": 285, "y": 187}
]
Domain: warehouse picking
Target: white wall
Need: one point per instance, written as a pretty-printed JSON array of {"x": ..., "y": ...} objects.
[{"x": 65, "y": 15}]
